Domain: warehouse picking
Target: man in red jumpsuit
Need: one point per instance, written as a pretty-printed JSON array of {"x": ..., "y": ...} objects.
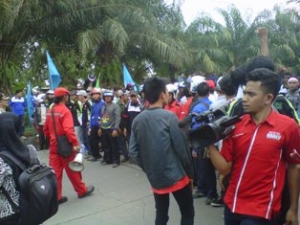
[{"x": 64, "y": 126}]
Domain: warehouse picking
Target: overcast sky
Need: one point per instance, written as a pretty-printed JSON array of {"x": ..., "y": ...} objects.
[{"x": 192, "y": 8}]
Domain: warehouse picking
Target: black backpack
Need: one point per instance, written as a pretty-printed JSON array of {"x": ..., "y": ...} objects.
[{"x": 38, "y": 190}]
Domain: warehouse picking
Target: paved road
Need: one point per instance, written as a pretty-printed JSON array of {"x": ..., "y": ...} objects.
[{"x": 122, "y": 197}]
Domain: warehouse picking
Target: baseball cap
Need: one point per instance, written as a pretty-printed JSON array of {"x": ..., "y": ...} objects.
[
  {"x": 3, "y": 97},
  {"x": 82, "y": 93},
  {"x": 211, "y": 84}
]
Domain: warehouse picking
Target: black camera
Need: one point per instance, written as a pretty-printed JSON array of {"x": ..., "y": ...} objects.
[{"x": 216, "y": 125}]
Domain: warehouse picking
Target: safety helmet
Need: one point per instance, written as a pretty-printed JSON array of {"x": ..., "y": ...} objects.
[
  {"x": 195, "y": 80},
  {"x": 108, "y": 94},
  {"x": 60, "y": 91},
  {"x": 96, "y": 91},
  {"x": 171, "y": 88}
]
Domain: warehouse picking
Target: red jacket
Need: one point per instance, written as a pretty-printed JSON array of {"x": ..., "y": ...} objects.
[
  {"x": 64, "y": 126},
  {"x": 176, "y": 108}
]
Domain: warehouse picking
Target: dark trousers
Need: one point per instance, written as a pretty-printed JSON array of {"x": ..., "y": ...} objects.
[
  {"x": 184, "y": 200},
  {"x": 85, "y": 139},
  {"x": 43, "y": 141},
  {"x": 206, "y": 176},
  {"x": 94, "y": 142},
  {"x": 110, "y": 147},
  {"x": 237, "y": 219}
]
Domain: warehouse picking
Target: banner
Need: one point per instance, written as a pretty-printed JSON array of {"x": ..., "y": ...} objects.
[
  {"x": 29, "y": 101},
  {"x": 54, "y": 76},
  {"x": 127, "y": 77}
]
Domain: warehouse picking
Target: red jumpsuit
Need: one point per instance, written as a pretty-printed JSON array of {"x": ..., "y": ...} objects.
[
  {"x": 64, "y": 126},
  {"x": 176, "y": 108}
]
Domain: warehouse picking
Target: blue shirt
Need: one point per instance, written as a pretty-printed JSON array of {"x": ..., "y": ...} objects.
[
  {"x": 18, "y": 105},
  {"x": 96, "y": 114}
]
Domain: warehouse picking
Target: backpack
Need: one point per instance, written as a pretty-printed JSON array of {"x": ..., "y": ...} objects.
[{"x": 38, "y": 189}]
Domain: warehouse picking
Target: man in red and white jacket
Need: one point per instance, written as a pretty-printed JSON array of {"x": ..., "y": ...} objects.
[{"x": 258, "y": 153}]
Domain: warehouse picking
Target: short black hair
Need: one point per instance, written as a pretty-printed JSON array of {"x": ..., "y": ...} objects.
[
  {"x": 202, "y": 89},
  {"x": 261, "y": 62},
  {"x": 153, "y": 87},
  {"x": 270, "y": 81},
  {"x": 227, "y": 86},
  {"x": 238, "y": 76}
]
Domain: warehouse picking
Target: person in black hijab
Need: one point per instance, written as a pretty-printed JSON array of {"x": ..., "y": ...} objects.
[
  {"x": 9, "y": 171},
  {"x": 9, "y": 139}
]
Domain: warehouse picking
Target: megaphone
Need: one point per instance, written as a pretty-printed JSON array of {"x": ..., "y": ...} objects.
[{"x": 77, "y": 164}]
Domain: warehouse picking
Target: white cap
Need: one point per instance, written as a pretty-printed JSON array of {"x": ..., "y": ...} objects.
[
  {"x": 120, "y": 93},
  {"x": 81, "y": 93},
  {"x": 50, "y": 92}
]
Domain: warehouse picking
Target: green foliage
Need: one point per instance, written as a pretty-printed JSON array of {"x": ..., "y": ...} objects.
[{"x": 97, "y": 36}]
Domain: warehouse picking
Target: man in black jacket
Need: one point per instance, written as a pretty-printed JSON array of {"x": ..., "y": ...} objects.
[{"x": 159, "y": 147}]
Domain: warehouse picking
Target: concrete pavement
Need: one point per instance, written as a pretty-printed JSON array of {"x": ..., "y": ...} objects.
[{"x": 122, "y": 196}]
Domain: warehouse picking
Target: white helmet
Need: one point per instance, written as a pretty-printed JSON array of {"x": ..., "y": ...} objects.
[{"x": 195, "y": 80}]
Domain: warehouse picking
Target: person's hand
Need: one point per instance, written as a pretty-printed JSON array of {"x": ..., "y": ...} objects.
[
  {"x": 262, "y": 32},
  {"x": 99, "y": 132},
  {"x": 125, "y": 132},
  {"x": 291, "y": 217},
  {"x": 77, "y": 148},
  {"x": 114, "y": 133},
  {"x": 89, "y": 132},
  {"x": 194, "y": 154}
]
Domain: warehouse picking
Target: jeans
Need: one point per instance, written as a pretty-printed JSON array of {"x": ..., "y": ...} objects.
[
  {"x": 206, "y": 176},
  {"x": 237, "y": 219},
  {"x": 78, "y": 132},
  {"x": 184, "y": 200},
  {"x": 85, "y": 139}
]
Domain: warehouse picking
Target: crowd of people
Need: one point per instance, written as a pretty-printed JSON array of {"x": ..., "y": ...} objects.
[{"x": 102, "y": 122}]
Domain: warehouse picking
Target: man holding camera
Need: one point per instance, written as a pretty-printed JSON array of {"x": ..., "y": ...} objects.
[{"x": 258, "y": 154}]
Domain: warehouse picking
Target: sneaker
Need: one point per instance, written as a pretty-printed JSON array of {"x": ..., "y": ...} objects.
[
  {"x": 63, "y": 200},
  {"x": 208, "y": 201},
  {"x": 125, "y": 159},
  {"x": 92, "y": 159},
  {"x": 89, "y": 191},
  {"x": 115, "y": 165},
  {"x": 217, "y": 203}
]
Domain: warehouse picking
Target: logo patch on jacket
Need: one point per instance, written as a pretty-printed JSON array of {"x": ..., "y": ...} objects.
[{"x": 274, "y": 135}]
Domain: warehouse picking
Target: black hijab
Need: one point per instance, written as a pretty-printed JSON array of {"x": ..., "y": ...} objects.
[{"x": 9, "y": 139}]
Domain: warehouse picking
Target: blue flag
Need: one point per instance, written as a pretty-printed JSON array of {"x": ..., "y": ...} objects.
[
  {"x": 29, "y": 101},
  {"x": 127, "y": 77},
  {"x": 54, "y": 76}
]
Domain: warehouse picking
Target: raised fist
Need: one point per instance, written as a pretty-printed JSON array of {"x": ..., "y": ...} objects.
[{"x": 262, "y": 32}]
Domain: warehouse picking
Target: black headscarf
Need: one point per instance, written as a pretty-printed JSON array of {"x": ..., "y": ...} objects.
[{"x": 9, "y": 139}]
